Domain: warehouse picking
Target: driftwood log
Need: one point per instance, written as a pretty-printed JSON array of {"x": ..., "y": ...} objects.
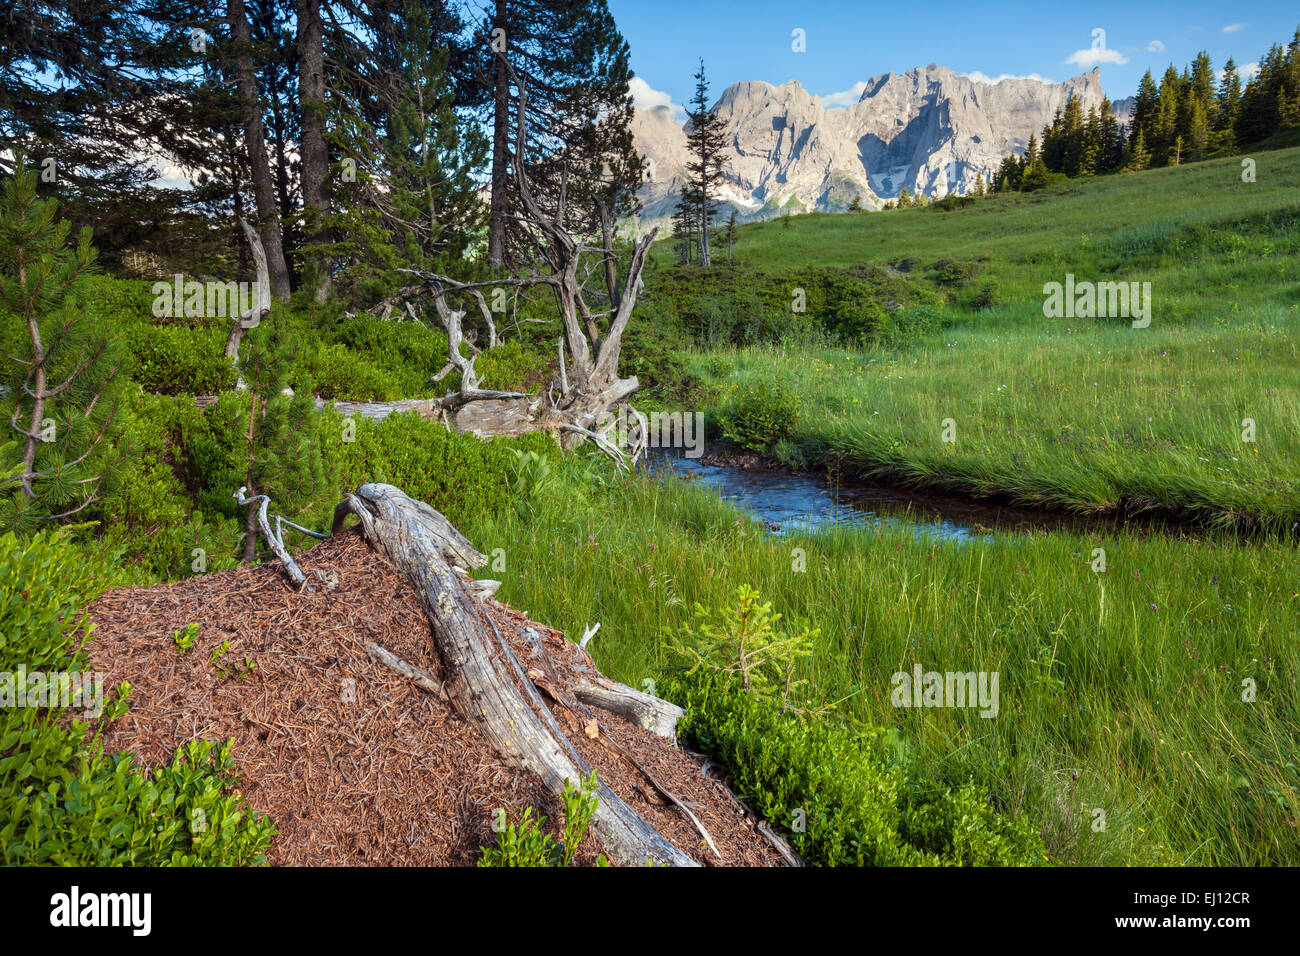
[{"x": 483, "y": 679}]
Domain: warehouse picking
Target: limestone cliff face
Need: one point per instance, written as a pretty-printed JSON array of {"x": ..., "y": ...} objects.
[{"x": 928, "y": 130}]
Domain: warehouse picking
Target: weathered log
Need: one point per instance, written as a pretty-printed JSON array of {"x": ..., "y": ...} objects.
[
  {"x": 655, "y": 715},
  {"x": 485, "y": 681}
]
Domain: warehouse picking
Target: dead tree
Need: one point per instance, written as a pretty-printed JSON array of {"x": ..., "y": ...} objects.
[
  {"x": 261, "y": 306},
  {"x": 483, "y": 678},
  {"x": 587, "y": 391}
]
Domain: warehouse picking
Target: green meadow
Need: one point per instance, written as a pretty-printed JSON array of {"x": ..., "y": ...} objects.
[
  {"x": 1148, "y": 710},
  {"x": 1197, "y": 415}
]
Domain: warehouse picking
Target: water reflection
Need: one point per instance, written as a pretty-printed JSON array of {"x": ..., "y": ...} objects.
[{"x": 803, "y": 502}]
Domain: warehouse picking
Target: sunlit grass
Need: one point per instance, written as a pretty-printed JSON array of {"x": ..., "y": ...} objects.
[{"x": 1120, "y": 691}]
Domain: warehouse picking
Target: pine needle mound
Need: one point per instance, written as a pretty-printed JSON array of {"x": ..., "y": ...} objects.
[{"x": 354, "y": 764}]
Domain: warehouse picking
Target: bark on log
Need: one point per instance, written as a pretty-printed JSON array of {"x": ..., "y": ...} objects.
[
  {"x": 485, "y": 681},
  {"x": 655, "y": 715}
]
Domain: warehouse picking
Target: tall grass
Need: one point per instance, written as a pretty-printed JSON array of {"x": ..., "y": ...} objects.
[
  {"x": 1120, "y": 691},
  {"x": 1081, "y": 419},
  {"x": 1086, "y": 415}
]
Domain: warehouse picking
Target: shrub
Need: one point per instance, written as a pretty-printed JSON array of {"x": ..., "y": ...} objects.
[
  {"x": 409, "y": 352},
  {"x": 743, "y": 641},
  {"x": 524, "y": 844},
  {"x": 339, "y": 373},
  {"x": 761, "y": 414},
  {"x": 510, "y": 367},
  {"x": 842, "y": 792},
  {"x": 462, "y": 476},
  {"x": 986, "y": 297},
  {"x": 171, "y": 359},
  {"x": 63, "y": 801}
]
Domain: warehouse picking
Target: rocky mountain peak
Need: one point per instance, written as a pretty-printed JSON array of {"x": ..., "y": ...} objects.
[{"x": 929, "y": 130}]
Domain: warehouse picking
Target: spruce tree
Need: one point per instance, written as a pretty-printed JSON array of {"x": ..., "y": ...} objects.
[
  {"x": 705, "y": 141},
  {"x": 1111, "y": 151},
  {"x": 1228, "y": 105},
  {"x": 1144, "y": 109},
  {"x": 282, "y": 456},
  {"x": 60, "y": 394},
  {"x": 1139, "y": 157}
]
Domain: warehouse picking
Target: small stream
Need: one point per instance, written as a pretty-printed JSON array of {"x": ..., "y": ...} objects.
[{"x": 797, "y": 502}]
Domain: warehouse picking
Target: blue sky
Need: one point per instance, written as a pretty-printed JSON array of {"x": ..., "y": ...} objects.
[{"x": 851, "y": 40}]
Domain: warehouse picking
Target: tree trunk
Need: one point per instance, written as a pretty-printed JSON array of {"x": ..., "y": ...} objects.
[
  {"x": 268, "y": 225},
  {"x": 483, "y": 679},
  {"x": 314, "y": 164},
  {"x": 611, "y": 260},
  {"x": 253, "y": 317},
  {"x": 500, "y": 145}
]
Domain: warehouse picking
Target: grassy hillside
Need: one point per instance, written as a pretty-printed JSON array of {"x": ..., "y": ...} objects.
[
  {"x": 1085, "y": 414},
  {"x": 1129, "y": 730}
]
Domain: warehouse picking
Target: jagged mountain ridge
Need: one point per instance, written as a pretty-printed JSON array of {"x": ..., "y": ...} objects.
[{"x": 929, "y": 130}]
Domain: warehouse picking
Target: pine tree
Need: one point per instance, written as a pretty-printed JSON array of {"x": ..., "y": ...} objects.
[
  {"x": 1139, "y": 157},
  {"x": 1202, "y": 89},
  {"x": 60, "y": 379},
  {"x": 282, "y": 456},
  {"x": 1089, "y": 146},
  {"x": 1196, "y": 128},
  {"x": 731, "y": 234},
  {"x": 1144, "y": 109},
  {"x": 1229, "y": 100},
  {"x": 1055, "y": 143},
  {"x": 1111, "y": 152},
  {"x": 904, "y": 199},
  {"x": 1289, "y": 88},
  {"x": 854, "y": 206},
  {"x": 705, "y": 141},
  {"x": 407, "y": 187},
  {"x": 1164, "y": 126},
  {"x": 1227, "y": 110},
  {"x": 576, "y": 67}
]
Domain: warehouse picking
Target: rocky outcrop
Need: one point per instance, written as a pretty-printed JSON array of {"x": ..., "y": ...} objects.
[{"x": 929, "y": 130}]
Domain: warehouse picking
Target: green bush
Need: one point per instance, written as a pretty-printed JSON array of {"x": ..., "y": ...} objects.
[
  {"x": 761, "y": 414},
  {"x": 510, "y": 367},
  {"x": 462, "y": 476},
  {"x": 409, "y": 352},
  {"x": 170, "y": 359},
  {"x": 843, "y": 793},
  {"x": 149, "y": 511},
  {"x": 524, "y": 843},
  {"x": 63, "y": 801},
  {"x": 343, "y": 374}
]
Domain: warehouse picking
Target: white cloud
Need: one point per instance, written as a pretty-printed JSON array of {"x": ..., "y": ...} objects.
[
  {"x": 1234, "y": 27},
  {"x": 975, "y": 76},
  {"x": 644, "y": 97},
  {"x": 1093, "y": 57},
  {"x": 1155, "y": 46},
  {"x": 1245, "y": 71},
  {"x": 845, "y": 97}
]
